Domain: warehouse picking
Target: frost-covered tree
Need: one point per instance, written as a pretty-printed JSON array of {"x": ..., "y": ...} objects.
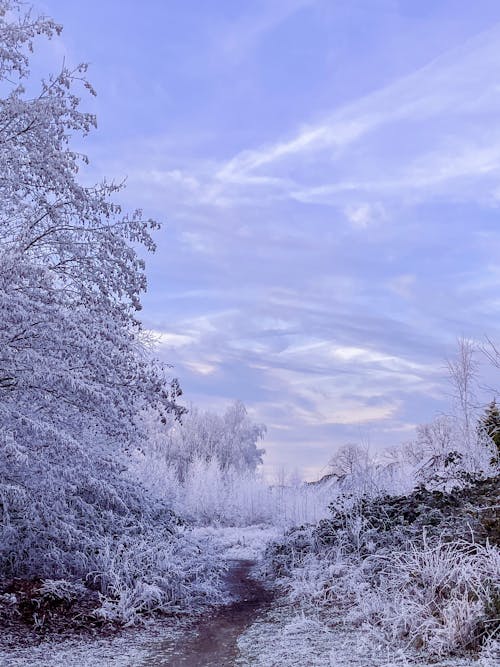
[
  {"x": 489, "y": 425},
  {"x": 463, "y": 373},
  {"x": 350, "y": 459},
  {"x": 71, "y": 278},
  {"x": 73, "y": 371},
  {"x": 230, "y": 440}
]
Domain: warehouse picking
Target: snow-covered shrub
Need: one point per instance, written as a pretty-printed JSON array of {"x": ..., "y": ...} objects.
[
  {"x": 107, "y": 533},
  {"x": 440, "y": 598},
  {"x": 97, "y": 527},
  {"x": 421, "y": 571},
  {"x": 156, "y": 573},
  {"x": 60, "y": 590}
]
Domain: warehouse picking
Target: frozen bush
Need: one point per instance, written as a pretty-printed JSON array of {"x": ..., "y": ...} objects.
[
  {"x": 61, "y": 590},
  {"x": 441, "y": 598},
  {"x": 146, "y": 575}
]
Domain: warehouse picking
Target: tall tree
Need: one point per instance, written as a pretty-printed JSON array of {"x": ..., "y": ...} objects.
[{"x": 73, "y": 370}]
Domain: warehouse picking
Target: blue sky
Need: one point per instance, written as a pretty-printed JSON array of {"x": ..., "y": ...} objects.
[{"x": 328, "y": 173}]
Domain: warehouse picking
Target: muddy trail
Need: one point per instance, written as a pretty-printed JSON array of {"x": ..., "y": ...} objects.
[{"x": 213, "y": 641}]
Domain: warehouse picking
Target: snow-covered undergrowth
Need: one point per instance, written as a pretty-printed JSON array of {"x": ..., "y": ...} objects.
[
  {"x": 107, "y": 534},
  {"x": 282, "y": 639},
  {"x": 151, "y": 574},
  {"x": 439, "y": 598},
  {"x": 419, "y": 572}
]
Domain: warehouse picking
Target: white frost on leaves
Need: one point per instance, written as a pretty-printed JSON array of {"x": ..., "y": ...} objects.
[{"x": 74, "y": 370}]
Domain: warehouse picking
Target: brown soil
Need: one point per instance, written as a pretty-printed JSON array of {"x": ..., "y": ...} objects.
[{"x": 28, "y": 617}]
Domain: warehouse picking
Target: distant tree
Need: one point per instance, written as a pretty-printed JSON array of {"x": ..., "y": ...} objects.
[
  {"x": 229, "y": 440},
  {"x": 350, "y": 459},
  {"x": 437, "y": 450},
  {"x": 463, "y": 373}
]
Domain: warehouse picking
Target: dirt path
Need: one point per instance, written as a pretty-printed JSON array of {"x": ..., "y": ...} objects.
[{"x": 213, "y": 642}]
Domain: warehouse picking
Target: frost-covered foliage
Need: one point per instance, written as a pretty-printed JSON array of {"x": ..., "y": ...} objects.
[
  {"x": 74, "y": 372},
  {"x": 209, "y": 494},
  {"x": 157, "y": 572},
  {"x": 443, "y": 456},
  {"x": 229, "y": 440},
  {"x": 418, "y": 571},
  {"x": 439, "y": 457},
  {"x": 70, "y": 279},
  {"x": 439, "y": 598}
]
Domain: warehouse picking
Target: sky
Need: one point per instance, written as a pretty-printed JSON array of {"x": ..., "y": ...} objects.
[{"x": 328, "y": 176}]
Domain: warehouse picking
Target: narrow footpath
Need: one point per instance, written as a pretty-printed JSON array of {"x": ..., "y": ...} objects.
[{"x": 213, "y": 642}]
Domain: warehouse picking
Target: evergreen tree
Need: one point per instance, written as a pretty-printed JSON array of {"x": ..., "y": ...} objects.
[{"x": 490, "y": 424}]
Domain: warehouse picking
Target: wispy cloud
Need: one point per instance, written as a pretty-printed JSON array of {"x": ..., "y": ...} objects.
[
  {"x": 322, "y": 248},
  {"x": 457, "y": 89},
  {"x": 243, "y": 34},
  {"x": 364, "y": 155}
]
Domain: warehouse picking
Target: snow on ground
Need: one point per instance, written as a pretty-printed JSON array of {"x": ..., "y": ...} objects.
[
  {"x": 129, "y": 649},
  {"x": 277, "y": 639},
  {"x": 280, "y": 639},
  {"x": 245, "y": 543}
]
